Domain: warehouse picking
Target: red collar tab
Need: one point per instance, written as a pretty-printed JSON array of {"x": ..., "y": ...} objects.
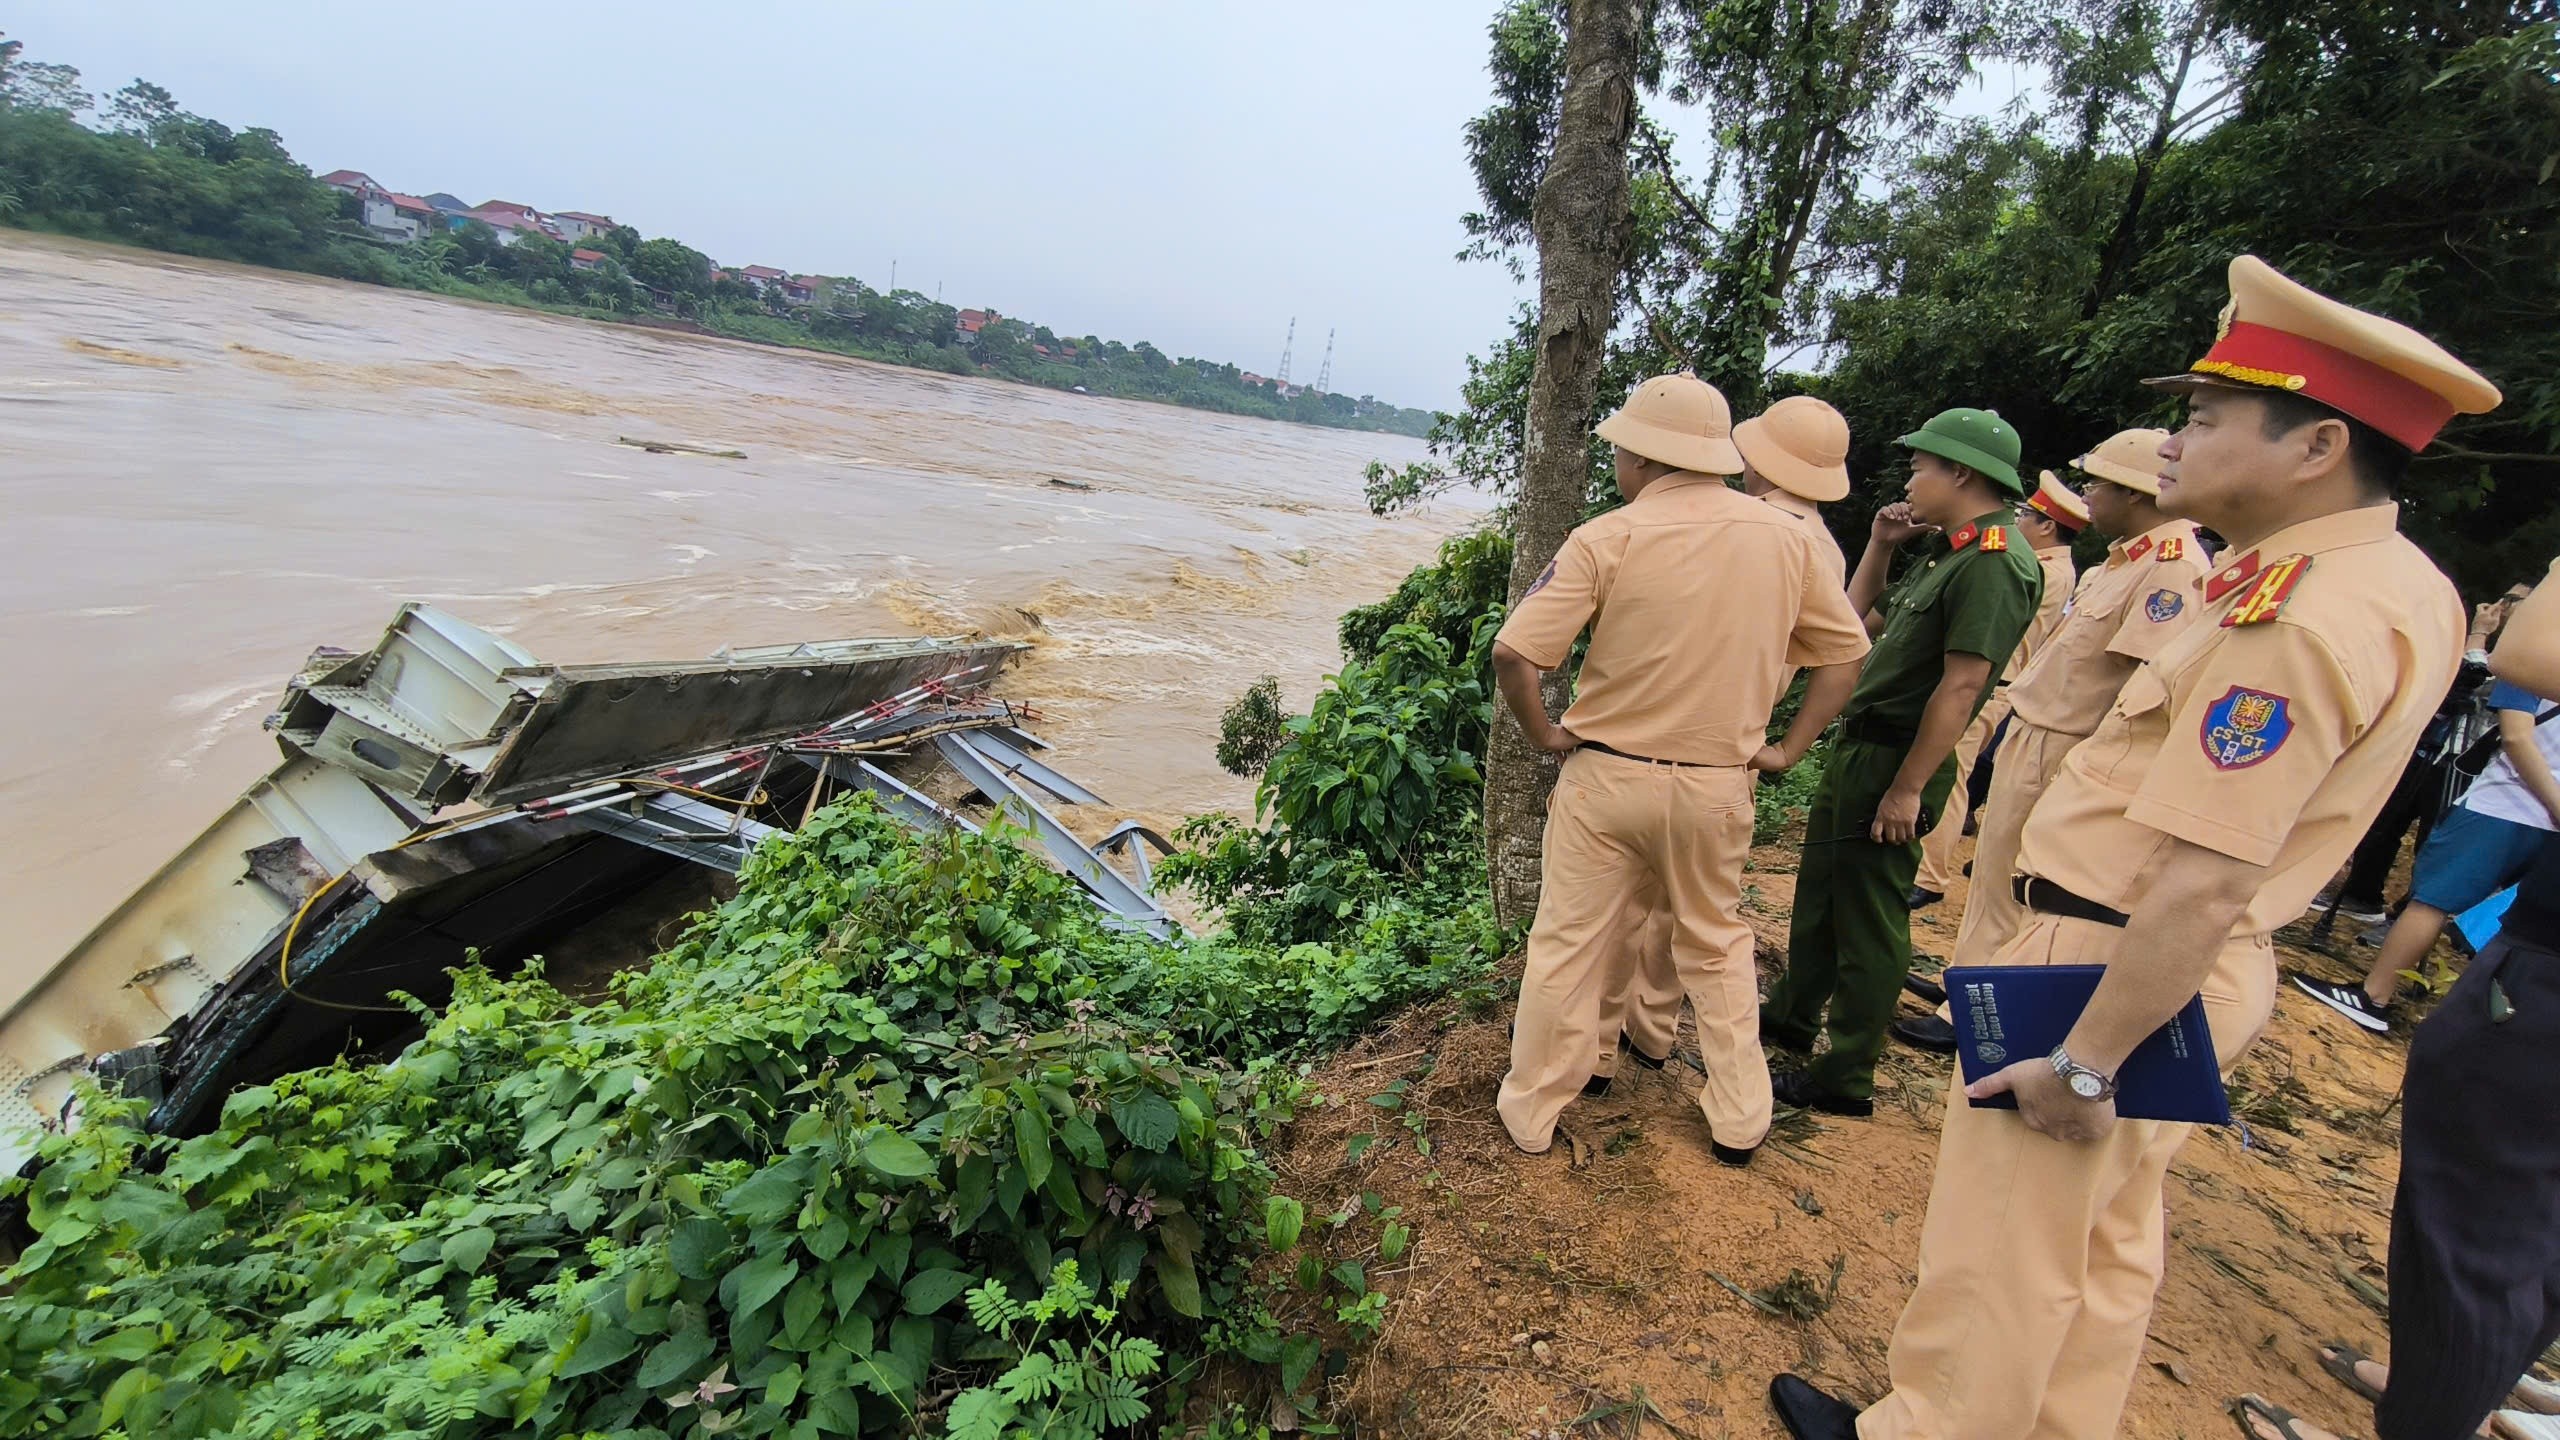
[
  {"x": 2391, "y": 403},
  {"x": 2138, "y": 548},
  {"x": 2266, "y": 599},
  {"x": 2230, "y": 577},
  {"x": 2173, "y": 547},
  {"x": 1963, "y": 537}
]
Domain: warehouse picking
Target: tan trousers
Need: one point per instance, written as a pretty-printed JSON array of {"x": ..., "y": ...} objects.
[
  {"x": 1619, "y": 833},
  {"x": 1644, "y": 1003},
  {"x": 2040, "y": 1258},
  {"x": 2027, "y": 762},
  {"x": 1938, "y": 848}
]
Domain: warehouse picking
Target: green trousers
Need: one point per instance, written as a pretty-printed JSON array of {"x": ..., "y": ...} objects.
[{"x": 1849, "y": 942}]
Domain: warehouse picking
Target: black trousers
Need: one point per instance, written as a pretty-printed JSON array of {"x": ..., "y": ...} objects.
[
  {"x": 2413, "y": 802},
  {"x": 2475, "y": 1228}
]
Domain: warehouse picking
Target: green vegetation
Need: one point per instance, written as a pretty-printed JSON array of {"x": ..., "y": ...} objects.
[
  {"x": 899, "y": 1137},
  {"x": 1841, "y": 234},
  {"x": 147, "y": 173}
]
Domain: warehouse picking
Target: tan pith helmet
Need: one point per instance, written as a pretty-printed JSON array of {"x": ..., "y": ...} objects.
[
  {"x": 1800, "y": 445},
  {"x": 1679, "y": 420},
  {"x": 2130, "y": 458},
  {"x": 2056, "y": 502}
]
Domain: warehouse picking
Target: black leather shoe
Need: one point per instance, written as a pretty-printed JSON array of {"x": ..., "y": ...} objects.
[
  {"x": 1726, "y": 1154},
  {"x": 1772, "y": 1035},
  {"x": 1921, "y": 898},
  {"x": 1972, "y": 823},
  {"x": 1596, "y": 1086},
  {"x": 1926, "y": 1032},
  {"x": 1641, "y": 1058},
  {"x": 1809, "y": 1414},
  {"x": 1925, "y": 987},
  {"x": 1795, "y": 1089}
]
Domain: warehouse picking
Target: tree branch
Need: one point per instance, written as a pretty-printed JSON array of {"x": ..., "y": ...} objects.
[{"x": 1662, "y": 162}]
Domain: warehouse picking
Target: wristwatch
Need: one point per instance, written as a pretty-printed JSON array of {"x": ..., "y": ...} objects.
[{"x": 2086, "y": 1083}]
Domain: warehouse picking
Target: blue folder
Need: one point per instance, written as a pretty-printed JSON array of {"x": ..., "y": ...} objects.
[{"x": 2008, "y": 1013}]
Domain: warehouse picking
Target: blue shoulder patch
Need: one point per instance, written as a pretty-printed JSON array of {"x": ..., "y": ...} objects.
[
  {"x": 2244, "y": 727},
  {"x": 2164, "y": 605},
  {"x": 1541, "y": 582}
]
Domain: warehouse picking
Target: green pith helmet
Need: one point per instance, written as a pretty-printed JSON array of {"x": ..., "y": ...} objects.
[{"x": 1979, "y": 440}]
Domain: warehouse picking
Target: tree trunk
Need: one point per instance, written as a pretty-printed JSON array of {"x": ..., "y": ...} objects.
[
  {"x": 1583, "y": 229},
  {"x": 2118, "y": 256}
]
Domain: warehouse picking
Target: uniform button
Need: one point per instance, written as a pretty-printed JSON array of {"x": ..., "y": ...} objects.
[{"x": 1933, "y": 564}]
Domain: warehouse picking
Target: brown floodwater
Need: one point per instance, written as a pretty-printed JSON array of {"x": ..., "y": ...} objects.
[{"x": 207, "y": 470}]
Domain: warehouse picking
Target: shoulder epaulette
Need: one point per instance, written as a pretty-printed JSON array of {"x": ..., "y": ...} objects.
[
  {"x": 2267, "y": 594},
  {"x": 1994, "y": 538},
  {"x": 2173, "y": 547}
]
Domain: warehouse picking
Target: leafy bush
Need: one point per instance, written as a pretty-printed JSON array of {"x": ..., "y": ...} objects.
[
  {"x": 1784, "y": 801},
  {"x": 1386, "y": 753},
  {"x": 739, "y": 1197},
  {"x": 1252, "y": 730},
  {"x": 1451, "y": 597}
]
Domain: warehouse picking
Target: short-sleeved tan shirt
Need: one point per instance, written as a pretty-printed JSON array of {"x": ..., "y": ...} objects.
[
  {"x": 2059, "y": 576},
  {"x": 1699, "y": 598},
  {"x": 2272, "y": 740},
  {"x": 1827, "y": 546},
  {"x": 2145, "y": 595}
]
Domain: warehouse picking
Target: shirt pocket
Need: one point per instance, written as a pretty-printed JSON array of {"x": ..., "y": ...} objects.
[{"x": 2132, "y": 727}]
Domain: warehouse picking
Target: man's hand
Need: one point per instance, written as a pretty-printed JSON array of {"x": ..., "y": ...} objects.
[
  {"x": 1557, "y": 741},
  {"x": 1897, "y": 818},
  {"x": 1895, "y": 525},
  {"x": 2045, "y": 1103},
  {"x": 1772, "y": 759},
  {"x": 2487, "y": 618}
]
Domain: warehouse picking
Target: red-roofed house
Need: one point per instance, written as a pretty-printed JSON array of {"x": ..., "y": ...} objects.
[
  {"x": 349, "y": 182},
  {"x": 801, "y": 290},
  {"x": 397, "y": 217},
  {"x": 579, "y": 225},
  {"x": 586, "y": 259},
  {"x": 973, "y": 321},
  {"x": 761, "y": 277},
  {"x": 509, "y": 221}
]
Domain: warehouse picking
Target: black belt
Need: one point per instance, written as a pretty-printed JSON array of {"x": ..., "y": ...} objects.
[
  {"x": 1649, "y": 760},
  {"x": 1878, "y": 732},
  {"x": 2046, "y": 898}
]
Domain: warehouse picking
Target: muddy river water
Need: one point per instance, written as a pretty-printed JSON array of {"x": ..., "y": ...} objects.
[{"x": 205, "y": 471}]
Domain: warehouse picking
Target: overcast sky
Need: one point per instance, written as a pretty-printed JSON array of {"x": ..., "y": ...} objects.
[{"x": 1190, "y": 174}]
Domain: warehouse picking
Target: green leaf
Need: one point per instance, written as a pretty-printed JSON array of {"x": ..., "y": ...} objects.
[
  {"x": 1146, "y": 1120},
  {"x": 697, "y": 1245},
  {"x": 838, "y": 1411},
  {"x": 1282, "y": 1221},
  {"x": 760, "y": 1279},
  {"x": 675, "y": 1357},
  {"x": 1181, "y": 1284},
  {"x": 1358, "y": 1147},
  {"x": 896, "y": 1156},
  {"x": 930, "y": 1290},
  {"x": 1031, "y": 1144},
  {"x": 1392, "y": 1241},
  {"x": 770, "y": 1193},
  {"x": 783, "y": 1385},
  {"x": 605, "y": 1343},
  {"x": 465, "y": 1249},
  {"x": 1083, "y": 1141},
  {"x": 808, "y": 1296},
  {"x": 1297, "y": 1361}
]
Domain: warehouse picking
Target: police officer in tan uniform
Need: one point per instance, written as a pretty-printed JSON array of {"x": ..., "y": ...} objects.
[
  {"x": 2230, "y": 779},
  {"x": 1699, "y": 599},
  {"x": 2143, "y": 596},
  {"x": 2051, "y": 519},
  {"x": 1795, "y": 457}
]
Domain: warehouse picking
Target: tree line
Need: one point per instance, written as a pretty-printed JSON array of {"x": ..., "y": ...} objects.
[{"x": 138, "y": 169}]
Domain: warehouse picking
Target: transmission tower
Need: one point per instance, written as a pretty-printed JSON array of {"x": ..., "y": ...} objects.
[
  {"x": 1324, "y": 372},
  {"x": 1286, "y": 346}
]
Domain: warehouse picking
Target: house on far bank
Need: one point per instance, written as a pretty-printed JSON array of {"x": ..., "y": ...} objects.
[
  {"x": 586, "y": 259},
  {"x": 576, "y": 225},
  {"x": 801, "y": 289},
  {"x": 509, "y": 222},
  {"x": 447, "y": 204},
  {"x": 398, "y": 218},
  {"x": 350, "y": 182},
  {"x": 761, "y": 278},
  {"x": 973, "y": 322}
]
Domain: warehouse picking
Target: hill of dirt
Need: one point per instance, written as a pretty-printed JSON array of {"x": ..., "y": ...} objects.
[{"x": 1626, "y": 1277}]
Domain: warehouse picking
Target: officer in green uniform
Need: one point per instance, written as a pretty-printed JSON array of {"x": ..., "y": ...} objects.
[{"x": 1942, "y": 633}]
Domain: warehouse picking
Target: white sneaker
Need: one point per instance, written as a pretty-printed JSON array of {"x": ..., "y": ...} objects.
[{"x": 2347, "y": 1000}]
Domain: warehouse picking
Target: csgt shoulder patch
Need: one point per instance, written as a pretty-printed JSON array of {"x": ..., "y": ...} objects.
[
  {"x": 2164, "y": 605},
  {"x": 2245, "y": 727}
]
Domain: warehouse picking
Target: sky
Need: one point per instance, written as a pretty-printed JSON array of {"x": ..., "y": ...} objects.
[{"x": 1188, "y": 174}]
